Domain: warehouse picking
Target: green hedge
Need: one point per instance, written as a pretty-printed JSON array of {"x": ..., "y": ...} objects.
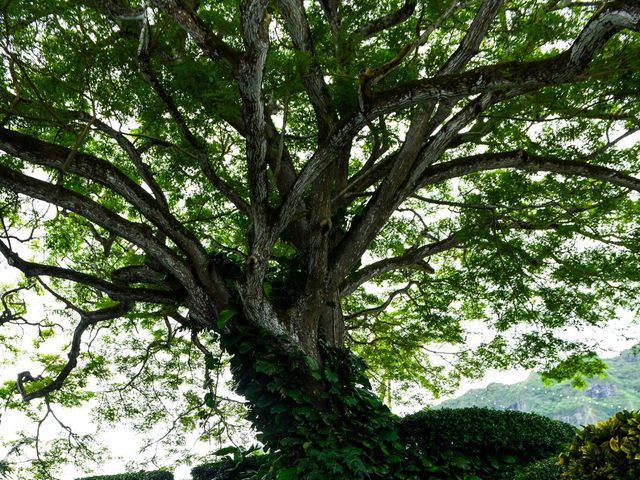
[
  {"x": 472, "y": 443},
  {"x": 228, "y": 469},
  {"x": 155, "y": 475}
]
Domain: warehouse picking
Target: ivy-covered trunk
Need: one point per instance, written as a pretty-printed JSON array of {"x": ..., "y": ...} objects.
[{"x": 318, "y": 419}]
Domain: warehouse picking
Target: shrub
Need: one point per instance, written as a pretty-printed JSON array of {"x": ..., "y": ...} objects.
[
  {"x": 468, "y": 443},
  {"x": 606, "y": 450},
  {"x": 547, "y": 469},
  {"x": 154, "y": 475},
  {"x": 229, "y": 469}
]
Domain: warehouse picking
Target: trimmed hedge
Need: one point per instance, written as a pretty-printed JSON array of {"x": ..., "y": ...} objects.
[
  {"x": 547, "y": 469},
  {"x": 229, "y": 469},
  {"x": 153, "y": 475},
  {"x": 467, "y": 443}
]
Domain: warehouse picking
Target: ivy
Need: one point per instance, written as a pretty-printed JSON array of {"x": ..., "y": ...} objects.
[{"x": 316, "y": 421}]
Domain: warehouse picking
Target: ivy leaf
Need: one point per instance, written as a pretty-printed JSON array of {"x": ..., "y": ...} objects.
[{"x": 224, "y": 317}]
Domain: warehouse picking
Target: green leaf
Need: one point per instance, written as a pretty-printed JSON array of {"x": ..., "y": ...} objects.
[
  {"x": 224, "y": 316},
  {"x": 225, "y": 451},
  {"x": 287, "y": 474}
]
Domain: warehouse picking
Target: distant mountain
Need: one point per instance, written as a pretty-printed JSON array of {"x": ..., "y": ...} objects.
[{"x": 620, "y": 389}]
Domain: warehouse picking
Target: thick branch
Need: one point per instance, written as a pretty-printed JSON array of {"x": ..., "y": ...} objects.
[
  {"x": 522, "y": 160},
  {"x": 471, "y": 42},
  {"x": 562, "y": 68},
  {"x": 514, "y": 77},
  {"x": 388, "y": 21},
  {"x": 294, "y": 15},
  {"x": 116, "y": 292},
  {"x": 255, "y": 25},
  {"x": 357, "y": 239},
  {"x": 37, "y": 152},
  {"x": 281, "y": 164},
  {"x": 92, "y": 168},
  {"x": 210, "y": 42},
  {"x": 135, "y": 233},
  {"x": 255, "y": 34},
  {"x": 412, "y": 258},
  {"x": 399, "y": 184},
  {"x": 439, "y": 143},
  {"x": 330, "y": 8}
]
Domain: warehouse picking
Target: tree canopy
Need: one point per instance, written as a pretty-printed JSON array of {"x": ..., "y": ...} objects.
[{"x": 187, "y": 177}]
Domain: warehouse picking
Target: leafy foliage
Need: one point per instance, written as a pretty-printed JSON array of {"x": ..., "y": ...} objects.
[
  {"x": 321, "y": 425},
  {"x": 5, "y": 469},
  {"x": 229, "y": 469},
  {"x": 606, "y": 450},
  {"x": 468, "y": 443},
  {"x": 547, "y": 469}
]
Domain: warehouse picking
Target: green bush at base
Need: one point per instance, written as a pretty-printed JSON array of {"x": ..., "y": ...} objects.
[
  {"x": 606, "y": 450},
  {"x": 155, "y": 475},
  {"x": 228, "y": 469},
  {"x": 473, "y": 443},
  {"x": 547, "y": 469}
]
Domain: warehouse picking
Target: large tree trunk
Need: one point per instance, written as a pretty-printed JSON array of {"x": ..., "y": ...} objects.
[{"x": 319, "y": 420}]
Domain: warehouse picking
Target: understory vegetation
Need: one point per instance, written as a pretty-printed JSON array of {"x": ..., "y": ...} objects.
[{"x": 476, "y": 444}]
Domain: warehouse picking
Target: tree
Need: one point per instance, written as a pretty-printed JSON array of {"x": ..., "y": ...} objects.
[{"x": 229, "y": 176}]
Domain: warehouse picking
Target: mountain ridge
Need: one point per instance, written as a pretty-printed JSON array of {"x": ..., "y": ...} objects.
[{"x": 619, "y": 390}]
